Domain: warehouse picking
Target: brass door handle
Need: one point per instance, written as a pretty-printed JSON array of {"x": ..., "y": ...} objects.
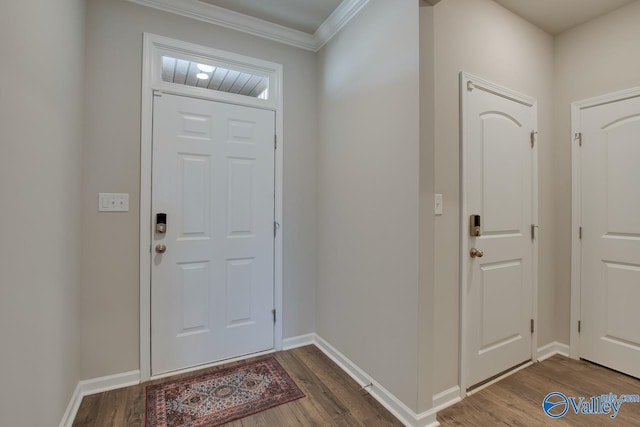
[
  {"x": 476, "y": 253},
  {"x": 161, "y": 248}
]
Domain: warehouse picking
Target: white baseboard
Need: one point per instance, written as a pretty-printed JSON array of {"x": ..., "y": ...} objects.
[
  {"x": 446, "y": 398},
  {"x": 552, "y": 349},
  {"x": 72, "y": 408},
  {"x": 404, "y": 414},
  {"x": 299, "y": 341},
  {"x": 96, "y": 385},
  {"x": 401, "y": 411}
]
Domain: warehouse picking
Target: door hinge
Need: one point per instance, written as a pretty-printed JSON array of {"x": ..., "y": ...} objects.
[
  {"x": 578, "y": 137},
  {"x": 276, "y": 227},
  {"x": 533, "y": 231},
  {"x": 533, "y": 138},
  {"x": 532, "y": 325},
  {"x": 580, "y": 233},
  {"x": 275, "y": 142},
  {"x": 274, "y": 315},
  {"x": 579, "y": 326}
]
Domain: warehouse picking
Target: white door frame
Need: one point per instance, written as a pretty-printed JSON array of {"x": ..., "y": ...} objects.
[
  {"x": 469, "y": 82},
  {"x": 153, "y": 48},
  {"x": 576, "y": 203}
]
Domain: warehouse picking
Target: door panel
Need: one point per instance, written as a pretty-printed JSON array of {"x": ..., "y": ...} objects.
[
  {"x": 498, "y": 185},
  {"x": 213, "y": 175},
  {"x": 610, "y": 272}
]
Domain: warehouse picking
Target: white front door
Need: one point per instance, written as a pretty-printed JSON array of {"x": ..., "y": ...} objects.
[
  {"x": 610, "y": 245},
  {"x": 213, "y": 177},
  {"x": 498, "y": 186}
]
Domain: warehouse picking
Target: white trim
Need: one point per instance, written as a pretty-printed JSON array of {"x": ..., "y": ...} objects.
[
  {"x": 427, "y": 418},
  {"x": 470, "y": 81},
  {"x": 268, "y": 30},
  {"x": 94, "y": 386},
  {"x": 576, "y": 246},
  {"x": 446, "y": 398},
  {"x": 153, "y": 47},
  {"x": 401, "y": 411},
  {"x": 551, "y": 350},
  {"x": 454, "y": 395},
  {"x": 109, "y": 382},
  {"x": 377, "y": 391},
  {"x": 338, "y": 19},
  {"x": 236, "y": 21},
  {"x": 576, "y": 206},
  {"x": 72, "y": 408},
  {"x": 595, "y": 101},
  {"x": 299, "y": 341}
]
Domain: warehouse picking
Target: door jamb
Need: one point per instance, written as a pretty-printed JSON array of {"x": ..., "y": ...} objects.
[
  {"x": 469, "y": 82},
  {"x": 576, "y": 210},
  {"x": 153, "y": 46}
]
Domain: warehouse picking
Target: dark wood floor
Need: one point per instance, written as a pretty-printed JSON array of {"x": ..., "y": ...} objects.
[
  {"x": 517, "y": 399},
  {"x": 332, "y": 399}
]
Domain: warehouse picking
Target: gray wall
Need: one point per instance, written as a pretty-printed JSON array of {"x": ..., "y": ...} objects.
[
  {"x": 483, "y": 38},
  {"x": 426, "y": 326},
  {"x": 368, "y": 148},
  {"x": 41, "y": 46},
  {"x": 110, "y": 242},
  {"x": 593, "y": 59}
]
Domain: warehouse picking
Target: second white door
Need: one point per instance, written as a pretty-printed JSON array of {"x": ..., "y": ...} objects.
[
  {"x": 610, "y": 220},
  {"x": 212, "y": 269},
  {"x": 499, "y": 188}
]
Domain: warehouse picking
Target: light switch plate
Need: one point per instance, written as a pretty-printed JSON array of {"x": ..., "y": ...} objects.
[
  {"x": 113, "y": 202},
  {"x": 438, "y": 204}
]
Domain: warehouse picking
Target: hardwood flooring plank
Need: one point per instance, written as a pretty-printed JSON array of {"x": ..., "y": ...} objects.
[
  {"x": 136, "y": 407},
  {"x": 321, "y": 403},
  {"x": 358, "y": 401},
  {"x": 335, "y": 399},
  {"x": 517, "y": 399},
  {"x": 112, "y": 408},
  {"x": 88, "y": 411}
]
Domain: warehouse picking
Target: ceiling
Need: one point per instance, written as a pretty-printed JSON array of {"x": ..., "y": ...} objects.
[
  {"x": 309, "y": 24},
  {"x": 301, "y": 15},
  {"x": 556, "y": 16}
]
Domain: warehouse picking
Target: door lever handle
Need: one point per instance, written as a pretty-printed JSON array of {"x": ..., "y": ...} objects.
[{"x": 476, "y": 253}]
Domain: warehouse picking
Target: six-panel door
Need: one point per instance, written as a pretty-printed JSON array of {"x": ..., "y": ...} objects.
[{"x": 213, "y": 175}]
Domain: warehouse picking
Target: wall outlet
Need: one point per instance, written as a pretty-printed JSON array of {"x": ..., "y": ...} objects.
[
  {"x": 438, "y": 204},
  {"x": 113, "y": 202}
]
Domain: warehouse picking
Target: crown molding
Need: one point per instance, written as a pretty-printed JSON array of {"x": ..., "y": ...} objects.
[
  {"x": 268, "y": 30},
  {"x": 340, "y": 17}
]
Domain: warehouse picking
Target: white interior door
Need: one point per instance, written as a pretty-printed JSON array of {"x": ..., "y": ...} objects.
[
  {"x": 499, "y": 187},
  {"x": 610, "y": 245},
  {"x": 213, "y": 176}
]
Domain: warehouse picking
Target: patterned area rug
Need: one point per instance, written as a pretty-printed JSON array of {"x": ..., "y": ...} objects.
[{"x": 219, "y": 397}]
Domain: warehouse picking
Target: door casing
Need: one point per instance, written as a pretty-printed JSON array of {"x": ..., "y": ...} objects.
[
  {"x": 153, "y": 48},
  {"x": 576, "y": 202},
  {"x": 469, "y": 81}
]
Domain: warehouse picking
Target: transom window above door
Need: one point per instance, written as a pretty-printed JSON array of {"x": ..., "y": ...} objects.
[
  {"x": 203, "y": 72},
  {"x": 212, "y": 77}
]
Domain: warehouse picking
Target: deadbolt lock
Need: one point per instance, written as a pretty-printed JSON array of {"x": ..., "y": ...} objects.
[
  {"x": 474, "y": 226},
  {"x": 161, "y": 223}
]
